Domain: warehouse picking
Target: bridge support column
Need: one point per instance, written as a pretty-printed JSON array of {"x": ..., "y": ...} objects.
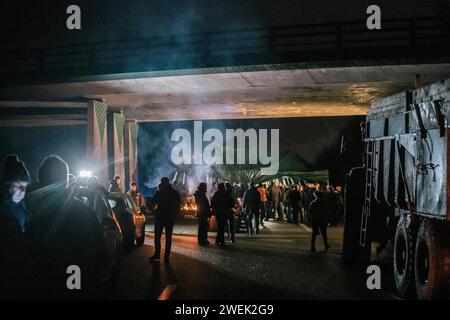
[
  {"x": 97, "y": 146},
  {"x": 116, "y": 147},
  {"x": 130, "y": 138}
]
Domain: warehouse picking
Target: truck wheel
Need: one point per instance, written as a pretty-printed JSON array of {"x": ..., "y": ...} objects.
[
  {"x": 432, "y": 262},
  {"x": 403, "y": 258}
]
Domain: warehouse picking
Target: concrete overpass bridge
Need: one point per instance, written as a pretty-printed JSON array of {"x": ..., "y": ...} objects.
[{"x": 327, "y": 69}]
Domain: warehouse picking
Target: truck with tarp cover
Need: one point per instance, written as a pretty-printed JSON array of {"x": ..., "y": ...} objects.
[{"x": 400, "y": 196}]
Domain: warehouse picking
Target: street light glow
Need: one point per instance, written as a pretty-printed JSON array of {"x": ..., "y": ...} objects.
[{"x": 85, "y": 173}]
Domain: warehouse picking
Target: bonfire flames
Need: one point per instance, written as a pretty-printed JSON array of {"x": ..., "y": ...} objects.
[
  {"x": 188, "y": 203},
  {"x": 189, "y": 207}
]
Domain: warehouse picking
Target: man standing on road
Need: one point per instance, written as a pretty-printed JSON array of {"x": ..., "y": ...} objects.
[
  {"x": 252, "y": 203},
  {"x": 222, "y": 203},
  {"x": 263, "y": 207},
  {"x": 294, "y": 198},
  {"x": 203, "y": 213},
  {"x": 230, "y": 215},
  {"x": 275, "y": 196},
  {"x": 166, "y": 203},
  {"x": 319, "y": 211},
  {"x": 303, "y": 208}
]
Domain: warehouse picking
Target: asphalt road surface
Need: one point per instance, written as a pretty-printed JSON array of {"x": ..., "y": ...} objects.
[{"x": 275, "y": 264}]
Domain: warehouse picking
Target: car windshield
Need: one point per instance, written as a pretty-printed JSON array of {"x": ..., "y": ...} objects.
[
  {"x": 122, "y": 203},
  {"x": 119, "y": 203}
]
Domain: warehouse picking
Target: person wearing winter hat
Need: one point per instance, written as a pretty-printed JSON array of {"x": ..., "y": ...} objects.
[
  {"x": 14, "y": 180},
  {"x": 63, "y": 231},
  {"x": 16, "y": 262}
]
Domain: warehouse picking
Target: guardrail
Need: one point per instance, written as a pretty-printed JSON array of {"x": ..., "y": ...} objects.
[{"x": 296, "y": 43}]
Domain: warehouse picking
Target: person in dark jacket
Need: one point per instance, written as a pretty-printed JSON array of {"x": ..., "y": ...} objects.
[
  {"x": 203, "y": 213},
  {"x": 287, "y": 204},
  {"x": 302, "y": 208},
  {"x": 309, "y": 198},
  {"x": 14, "y": 181},
  {"x": 294, "y": 198},
  {"x": 252, "y": 203},
  {"x": 64, "y": 232},
  {"x": 230, "y": 215},
  {"x": 275, "y": 196},
  {"x": 16, "y": 264},
  {"x": 166, "y": 202},
  {"x": 319, "y": 211},
  {"x": 115, "y": 184},
  {"x": 263, "y": 209},
  {"x": 222, "y": 203}
]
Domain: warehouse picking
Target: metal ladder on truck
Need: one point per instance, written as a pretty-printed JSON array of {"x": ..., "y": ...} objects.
[{"x": 367, "y": 193}]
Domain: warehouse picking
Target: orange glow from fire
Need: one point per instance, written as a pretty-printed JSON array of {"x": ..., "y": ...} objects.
[{"x": 189, "y": 207}]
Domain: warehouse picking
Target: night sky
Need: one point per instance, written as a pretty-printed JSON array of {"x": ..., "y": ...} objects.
[{"x": 40, "y": 23}]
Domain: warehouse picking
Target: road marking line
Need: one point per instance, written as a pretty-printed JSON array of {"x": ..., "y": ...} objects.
[
  {"x": 167, "y": 292},
  {"x": 304, "y": 226}
]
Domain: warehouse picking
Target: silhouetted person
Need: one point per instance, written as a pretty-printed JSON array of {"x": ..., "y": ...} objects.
[
  {"x": 115, "y": 184},
  {"x": 14, "y": 181},
  {"x": 309, "y": 198},
  {"x": 252, "y": 203},
  {"x": 302, "y": 208},
  {"x": 203, "y": 213},
  {"x": 294, "y": 198},
  {"x": 222, "y": 203},
  {"x": 16, "y": 263},
  {"x": 166, "y": 202},
  {"x": 283, "y": 202},
  {"x": 319, "y": 211},
  {"x": 275, "y": 197},
  {"x": 64, "y": 232},
  {"x": 287, "y": 204},
  {"x": 263, "y": 206},
  {"x": 230, "y": 215}
]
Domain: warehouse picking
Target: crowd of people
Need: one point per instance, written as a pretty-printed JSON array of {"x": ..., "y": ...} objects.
[
  {"x": 44, "y": 227},
  {"x": 313, "y": 204}
]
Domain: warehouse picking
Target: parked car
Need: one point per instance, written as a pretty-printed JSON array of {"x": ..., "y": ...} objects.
[
  {"x": 112, "y": 234},
  {"x": 131, "y": 220}
]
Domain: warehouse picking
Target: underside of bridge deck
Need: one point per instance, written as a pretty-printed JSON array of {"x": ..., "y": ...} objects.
[{"x": 274, "y": 92}]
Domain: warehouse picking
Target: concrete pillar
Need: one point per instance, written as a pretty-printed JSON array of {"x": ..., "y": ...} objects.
[
  {"x": 97, "y": 147},
  {"x": 130, "y": 138},
  {"x": 116, "y": 147}
]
